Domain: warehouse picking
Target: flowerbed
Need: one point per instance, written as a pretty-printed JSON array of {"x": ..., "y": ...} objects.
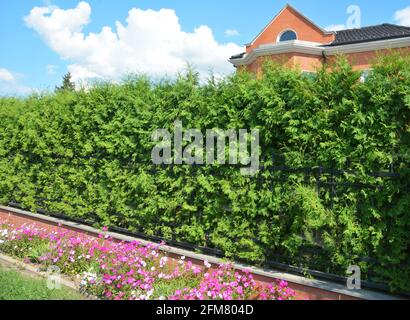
[{"x": 132, "y": 271}]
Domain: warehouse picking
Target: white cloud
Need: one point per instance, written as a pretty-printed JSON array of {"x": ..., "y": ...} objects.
[
  {"x": 51, "y": 69},
  {"x": 9, "y": 84},
  {"x": 231, "y": 32},
  {"x": 6, "y": 75},
  {"x": 402, "y": 17},
  {"x": 13, "y": 89},
  {"x": 149, "y": 42},
  {"x": 336, "y": 27}
]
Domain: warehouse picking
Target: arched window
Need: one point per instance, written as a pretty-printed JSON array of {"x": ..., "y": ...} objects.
[{"x": 288, "y": 35}]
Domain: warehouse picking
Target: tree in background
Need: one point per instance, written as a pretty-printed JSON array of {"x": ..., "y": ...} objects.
[{"x": 68, "y": 84}]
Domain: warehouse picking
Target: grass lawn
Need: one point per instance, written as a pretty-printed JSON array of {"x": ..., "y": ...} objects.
[{"x": 17, "y": 286}]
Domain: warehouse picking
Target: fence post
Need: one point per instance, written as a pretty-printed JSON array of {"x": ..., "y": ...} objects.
[
  {"x": 318, "y": 180},
  {"x": 332, "y": 189}
]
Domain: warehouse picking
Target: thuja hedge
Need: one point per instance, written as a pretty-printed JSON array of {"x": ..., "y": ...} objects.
[{"x": 87, "y": 154}]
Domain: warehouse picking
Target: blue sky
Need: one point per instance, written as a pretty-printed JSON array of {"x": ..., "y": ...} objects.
[{"x": 35, "y": 56}]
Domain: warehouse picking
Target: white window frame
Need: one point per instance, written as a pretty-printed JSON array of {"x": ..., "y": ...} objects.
[{"x": 283, "y": 32}]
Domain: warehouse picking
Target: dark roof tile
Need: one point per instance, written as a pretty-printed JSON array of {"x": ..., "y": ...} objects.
[
  {"x": 238, "y": 56},
  {"x": 372, "y": 33}
]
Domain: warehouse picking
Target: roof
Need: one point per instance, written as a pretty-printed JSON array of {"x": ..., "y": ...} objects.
[
  {"x": 380, "y": 32},
  {"x": 373, "y": 33},
  {"x": 238, "y": 56}
]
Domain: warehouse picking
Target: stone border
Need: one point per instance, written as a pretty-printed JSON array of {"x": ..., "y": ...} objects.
[
  {"x": 317, "y": 284},
  {"x": 34, "y": 270}
]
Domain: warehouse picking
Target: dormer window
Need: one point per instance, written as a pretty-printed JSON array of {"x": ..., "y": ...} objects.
[{"x": 287, "y": 35}]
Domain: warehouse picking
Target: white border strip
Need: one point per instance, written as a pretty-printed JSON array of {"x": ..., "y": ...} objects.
[
  {"x": 318, "y": 284},
  {"x": 318, "y": 49},
  {"x": 369, "y": 46},
  {"x": 295, "y": 46}
]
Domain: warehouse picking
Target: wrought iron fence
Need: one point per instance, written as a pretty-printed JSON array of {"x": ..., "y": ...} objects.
[{"x": 325, "y": 180}]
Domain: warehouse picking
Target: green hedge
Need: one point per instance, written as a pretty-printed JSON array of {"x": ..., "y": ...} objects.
[{"x": 87, "y": 154}]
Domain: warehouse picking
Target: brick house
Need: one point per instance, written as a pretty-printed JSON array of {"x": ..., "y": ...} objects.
[{"x": 293, "y": 40}]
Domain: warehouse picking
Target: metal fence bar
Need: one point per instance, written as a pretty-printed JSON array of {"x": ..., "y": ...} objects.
[{"x": 323, "y": 179}]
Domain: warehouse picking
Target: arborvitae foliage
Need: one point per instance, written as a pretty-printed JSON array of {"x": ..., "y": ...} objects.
[
  {"x": 67, "y": 85},
  {"x": 88, "y": 153}
]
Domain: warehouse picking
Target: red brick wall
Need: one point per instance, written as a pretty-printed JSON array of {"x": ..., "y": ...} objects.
[
  {"x": 304, "y": 62},
  {"x": 291, "y": 19},
  {"x": 364, "y": 60}
]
